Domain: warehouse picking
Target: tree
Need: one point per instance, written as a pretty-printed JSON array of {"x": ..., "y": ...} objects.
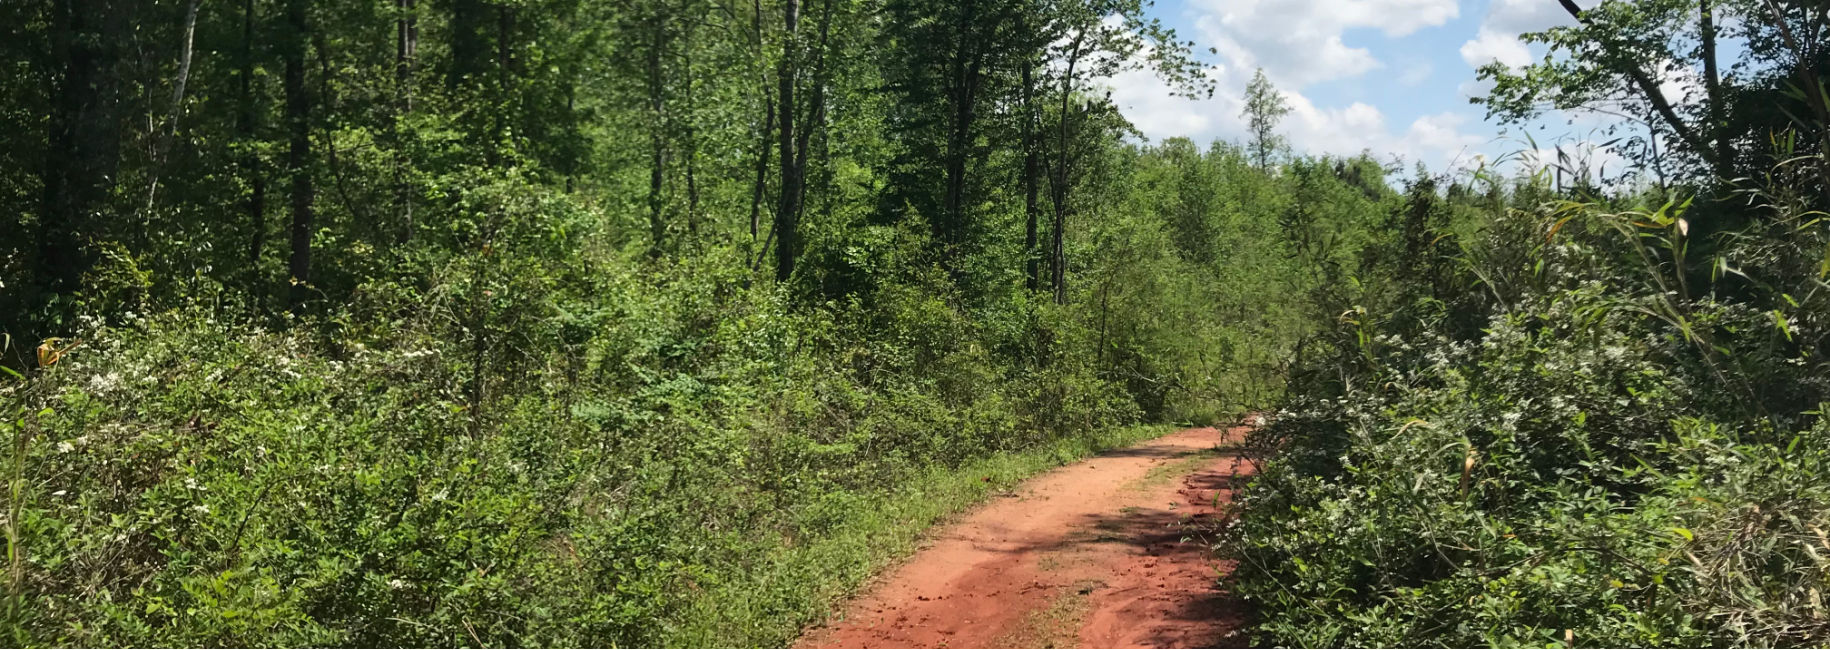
[
  {"x": 85, "y": 133},
  {"x": 798, "y": 54},
  {"x": 1096, "y": 39},
  {"x": 295, "y": 43},
  {"x": 1618, "y": 58},
  {"x": 950, "y": 69},
  {"x": 247, "y": 124},
  {"x": 406, "y": 55},
  {"x": 659, "y": 44},
  {"x": 1264, "y": 108},
  {"x": 787, "y": 214}
]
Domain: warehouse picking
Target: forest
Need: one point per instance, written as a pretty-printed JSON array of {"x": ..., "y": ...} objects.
[{"x": 382, "y": 323}]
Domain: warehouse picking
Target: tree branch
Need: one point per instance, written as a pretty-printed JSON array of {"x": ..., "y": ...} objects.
[{"x": 1649, "y": 88}]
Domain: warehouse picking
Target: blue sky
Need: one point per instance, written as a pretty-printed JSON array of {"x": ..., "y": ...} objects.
[{"x": 1392, "y": 76}]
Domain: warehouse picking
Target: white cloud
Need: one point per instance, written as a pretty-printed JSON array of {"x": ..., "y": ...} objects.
[
  {"x": 1489, "y": 46},
  {"x": 1416, "y": 74},
  {"x": 1441, "y": 135},
  {"x": 1151, "y": 105},
  {"x": 1299, "y": 42},
  {"x": 1498, "y": 37},
  {"x": 1520, "y": 16},
  {"x": 1438, "y": 140}
]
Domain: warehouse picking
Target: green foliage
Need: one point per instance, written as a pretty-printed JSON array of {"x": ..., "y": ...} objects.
[
  {"x": 1612, "y": 454},
  {"x": 1264, "y": 108},
  {"x": 190, "y": 482}
]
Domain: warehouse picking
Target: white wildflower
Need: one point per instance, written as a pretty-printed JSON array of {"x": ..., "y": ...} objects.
[{"x": 104, "y": 383}]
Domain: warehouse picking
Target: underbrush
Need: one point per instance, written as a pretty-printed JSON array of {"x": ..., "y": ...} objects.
[
  {"x": 676, "y": 460},
  {"x": 1623, "y": 452}
]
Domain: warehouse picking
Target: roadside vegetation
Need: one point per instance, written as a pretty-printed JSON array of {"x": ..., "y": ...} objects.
[
  {"x": 666, "y": 322},
  {"x": 572, "y": 323},
  {"x": 1553, "y": 411}
]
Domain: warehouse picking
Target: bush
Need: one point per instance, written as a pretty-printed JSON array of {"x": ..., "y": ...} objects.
[
  {"x": 1608, "y": 459},
  {"x": 490, "y": 467}
]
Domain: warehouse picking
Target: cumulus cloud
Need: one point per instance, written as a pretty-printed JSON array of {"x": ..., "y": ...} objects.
[
  {"x": 1442, "y": 135},
  {"x": 1440, "y": 140},
  {"x": 1300, "y": 42},
  {"x": 1520, "y": 16},
  {"x": 1489, "y": 46},
  {"x": 1498, "y": 37}
]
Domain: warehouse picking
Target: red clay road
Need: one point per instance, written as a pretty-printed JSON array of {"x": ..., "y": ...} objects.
[{"x": 1106, "y": 553}]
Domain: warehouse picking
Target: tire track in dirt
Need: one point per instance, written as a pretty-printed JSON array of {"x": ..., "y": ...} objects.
[{"x": 1095, "y": 554}]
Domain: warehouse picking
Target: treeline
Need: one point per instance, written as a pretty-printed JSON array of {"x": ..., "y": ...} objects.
[
  {"x": 290, "y": 151},
  {"x": 589, "y": 323},
  {"x": 1562, "y": 411}
]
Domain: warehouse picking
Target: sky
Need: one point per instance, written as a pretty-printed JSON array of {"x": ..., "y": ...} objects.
[{"x": 1390, "y": 76}]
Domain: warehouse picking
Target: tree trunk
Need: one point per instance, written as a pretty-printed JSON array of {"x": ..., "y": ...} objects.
[
  {"x": 1712, "y": 86},
  {"x": 406, "y": 50},
  {"x": 466, "y": 50},
  {"x": 690, "y": 137},
  {"x": 657, "y": 137},
  {"x": 298, "y": 154},
  {"x": 816, "y": 108},
  {"x": 789, "y": 206},
  {"x": 84, "y": 139},
  {"x": 961, "y": 94},
  {"x": 162, "y": 141},
  {"x": 762, "y": 165},
  {"x": 768, "y": 128},
  {"x": 571, "y": 160},
  {"x": 1649, "y": 89},
  {"x": 505, "y": 76},
  {"x": 245, "y": 128},
  {"x": 1062, "y": 176},
  {"x": 1815, "y": 95},
  {"x": 1031, "y": 183}
]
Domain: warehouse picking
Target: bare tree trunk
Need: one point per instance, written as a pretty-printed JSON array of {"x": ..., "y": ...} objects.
[
  {"x": 162, "y": 142},
  {"x": 406, "y": 50},
  {"x": 245, "y": 127},
  {"x": 83, "y": 135},
  {"x": 1031, "y": 184},
  {"x": 961, "y": 93},
  {"x": 298, "y": 155},
  {"x": 762, "y": 166},
  {"x": 768, "y": 127},
  {"x": 691, "y": 138},
  {"x": 1062, "y": 176},
  {"x": 657, "y": 137},
  {"x": 1712, "y": 86},
  {"x": 790, "y": 175}
]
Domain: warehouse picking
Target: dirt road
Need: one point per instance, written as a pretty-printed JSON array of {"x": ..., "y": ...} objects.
[{"x": 1096, "y": 554}]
